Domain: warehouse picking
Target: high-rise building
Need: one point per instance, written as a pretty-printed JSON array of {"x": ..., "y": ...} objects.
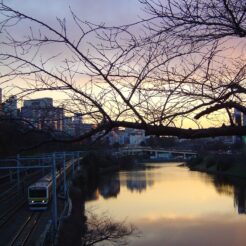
[
  {"x": 240, "y": 120},
  {"x": 244, "y": 119},
  {"x": 10, "y": 107},
  {"x": 238, "y": 117},
  {"x": 68, "y": 126},
  {"x": 42, "y": 114},
  {"x": 244, "y": 124},
  {"x": 45, "y": 102},
  {"x": 77, "y": 121}
]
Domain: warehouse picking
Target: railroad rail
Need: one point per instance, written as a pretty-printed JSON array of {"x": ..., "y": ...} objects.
[
  {"x": 10, "y": 212},
  {"x": 9, "y": 193},
  {"x": 25, "y": 231},
  {"x": 4, "y": 177},
  {"x": 5, "y": 186},
  {"x": 12, "y": 191}
]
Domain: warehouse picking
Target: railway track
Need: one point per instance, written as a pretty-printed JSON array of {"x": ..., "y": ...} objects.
[
  {"x": 10, "y": 212},
  {"x": 5, "y": 185},
  {"x": 4, "y": 177},
  {"x": 25, "y": 231},
  {"x": 11, "y": 191}
]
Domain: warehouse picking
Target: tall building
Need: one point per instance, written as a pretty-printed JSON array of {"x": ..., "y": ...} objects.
[
  {"x": 74, "y": 126},
  {"x": 45, "y": 102},
  {"x": 10, "y": 107},
  {"x": 42, "y": 114},
  {"x": 244, "y": 123},
  {"x": 239, "y": 120},
  {"x": 77, "y": 122},
  {"x": 136, "y": 137},
  {"x": 68, "y": 126},
  {"x": 238, "y": 117},
  {"x": 126, "y": 136}
]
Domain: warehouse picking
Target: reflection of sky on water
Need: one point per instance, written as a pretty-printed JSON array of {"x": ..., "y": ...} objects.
[
  {"x": 173, "y": 206},
  {"x": 209, "y": 230}
]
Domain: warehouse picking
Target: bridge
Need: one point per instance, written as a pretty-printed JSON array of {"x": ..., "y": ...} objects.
[{"x": 156, "y": 154}]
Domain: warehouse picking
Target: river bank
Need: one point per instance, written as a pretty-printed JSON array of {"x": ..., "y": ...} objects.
[
  {"x": 94, "y": 179},
  {"x": 220, "y": 164}
]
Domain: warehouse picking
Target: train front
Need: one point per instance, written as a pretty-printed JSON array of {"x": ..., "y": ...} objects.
[{"x": 38, "y": 196}]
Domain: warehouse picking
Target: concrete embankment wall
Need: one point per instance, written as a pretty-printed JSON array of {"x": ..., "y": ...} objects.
[{"x": 73, "y": 226}]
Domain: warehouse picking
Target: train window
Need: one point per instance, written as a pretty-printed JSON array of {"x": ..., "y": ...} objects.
[{"x": 37, "y": 193}]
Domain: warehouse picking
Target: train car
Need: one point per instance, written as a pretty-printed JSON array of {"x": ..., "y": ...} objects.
[{"x": 39, "y": 193}]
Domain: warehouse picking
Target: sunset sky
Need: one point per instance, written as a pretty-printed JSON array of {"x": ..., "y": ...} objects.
[{"x": 108, "y": 11}]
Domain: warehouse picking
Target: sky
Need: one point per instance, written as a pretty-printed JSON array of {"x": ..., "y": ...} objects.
[{"x": 111, "y": 12}]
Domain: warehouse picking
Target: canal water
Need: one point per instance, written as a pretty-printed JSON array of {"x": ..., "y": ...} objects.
[{"x": 171, "y": 205}]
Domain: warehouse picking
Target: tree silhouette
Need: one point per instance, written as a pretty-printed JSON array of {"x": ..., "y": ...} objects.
[{"x": 163, "y": 79}]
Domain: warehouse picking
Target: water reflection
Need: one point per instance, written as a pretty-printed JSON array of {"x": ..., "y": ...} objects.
[
  {"x": 136, "y": 181},
  {"x": 107, "y": 186},
  {"x": 239, "y": 199},
  {"x": 174, "y": 206},
  {"x": 233, "y": 187},
  {"x": 211, "y": 230}
]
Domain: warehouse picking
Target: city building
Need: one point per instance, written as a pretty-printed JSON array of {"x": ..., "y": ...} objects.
[
  {"x": 42, "y": 114},
  {"x": 126, "y": 136},
  {"x": 86, "y": 127},
  {"x": 74, "y": 126},
  {"x": 10, "y": 107},
  {"x": 239, "y": 120},
  {"x": 136, "y": 136},
  {"x": 77, "y": 122},
  {"x": 244, "y": 124},
  {"x": 238, "y": 116},
  {"x": 68, "y": 126},
  {"x": 118, "y": 136}
]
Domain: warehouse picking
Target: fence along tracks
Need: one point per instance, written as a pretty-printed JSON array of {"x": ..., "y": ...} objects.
[{"x": 25, "y": 231}]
